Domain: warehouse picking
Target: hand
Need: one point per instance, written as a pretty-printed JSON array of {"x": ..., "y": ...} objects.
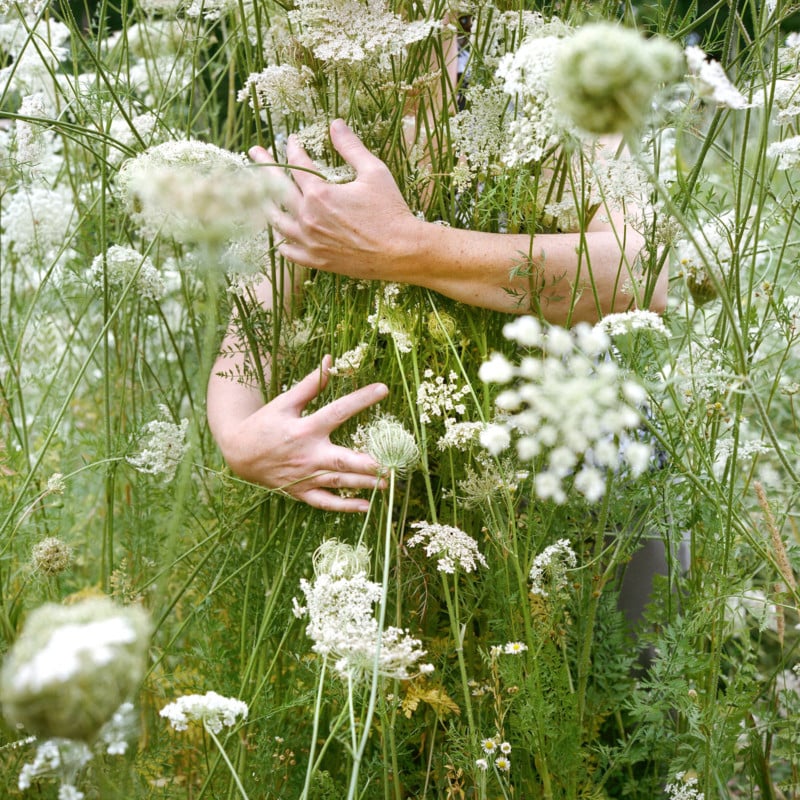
[
  {"x": 279, "y": 448},
  {"x": 357, "y": 228}
]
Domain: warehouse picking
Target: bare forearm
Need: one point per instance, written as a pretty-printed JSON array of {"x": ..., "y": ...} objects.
[{"x": 565, "y": 277}]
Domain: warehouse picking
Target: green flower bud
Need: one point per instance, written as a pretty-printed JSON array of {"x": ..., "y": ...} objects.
[
  {"x": 73, "y": 666},
  {"x": 391, "y": 445},
  {"x": 605, "y": 76}
]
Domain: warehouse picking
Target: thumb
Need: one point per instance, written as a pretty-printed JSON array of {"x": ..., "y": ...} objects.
[
  {"x": 352, "y": 149},
  {"x": 302, "y": 393}
]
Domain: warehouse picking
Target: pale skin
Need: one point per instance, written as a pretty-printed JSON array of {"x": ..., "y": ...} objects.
[{"x": 365, "y": 229}]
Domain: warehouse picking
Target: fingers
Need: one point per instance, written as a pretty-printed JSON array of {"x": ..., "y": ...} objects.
[
  {"x": 328, "y": 501},
  {"x": 303, "y": 392},
  {"x": 338, "y": 411},
  {"x": 297, "y": 156},
  {"x": 352, "y": 149}
]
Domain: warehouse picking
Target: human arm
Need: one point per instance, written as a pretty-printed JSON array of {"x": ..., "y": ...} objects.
[
  {"x": 365, "y": 229},
  {"x": 273, "y": 443}
]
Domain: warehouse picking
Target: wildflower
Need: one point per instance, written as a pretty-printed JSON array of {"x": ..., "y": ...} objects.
[
  {"x": 489, "y": 746},
  {"x": 281, "y": 88},
  {"x": 569, "y": 409},
  {"x": 549, "y": 569},
  {"x": 343, "y": 625},
  {"x": 388, "y": 318},
  {"x": 390, "y": 444},
  {"x": 59, "y": 758},
  {"x": 478, "y": 133},
  {"x": 452, "y": 545},
  {"x": 622, "y": 323},
  {"x": 73, "y": 666},
  {"x": 525, "y": 76},
  {"x": 497, "y": 369},
  {"x": 196, "y": 192},
  {"x": 119, "y": 266},
  {"x": 37, "y": 221},
  {"x": 505, "y": 748},
  {"x": 115, "y": 733},
  {"x": 212, "y": 709},
  {"x": 210, "y": 9},
  {"x": 163, "y": 447},
  {"x": 340, "y": 560},
  {"x": 514, "y": 648},
  {"x": 352, "y": 32},
  {"x": 604, "y": 77},
  {"x": 502, "y": 763},
  {"x": 710, "y": 82},
  {"x": 787, "y": 152},
  {"x": 495, "y": 438},
  {"x": 440, "y": 397},
  {"x": 55, "y": 483},
  {"x": 459, "y": 435},
  {"x": 32, "y": 142},
  {"x": 350, "y": 362},
  {"x": 482, "y": 764},
  {"x": 51, "y": 556},
  {"x": 684, "y": 788}
]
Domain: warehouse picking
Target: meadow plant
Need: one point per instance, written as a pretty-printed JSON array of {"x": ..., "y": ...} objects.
[{"x": 474, "y": 633}]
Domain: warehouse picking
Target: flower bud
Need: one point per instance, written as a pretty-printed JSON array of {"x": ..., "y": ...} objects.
[{"x": 73, "y": 666}]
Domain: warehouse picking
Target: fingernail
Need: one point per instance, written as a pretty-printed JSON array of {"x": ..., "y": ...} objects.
[{"x": 381, "y": 391}]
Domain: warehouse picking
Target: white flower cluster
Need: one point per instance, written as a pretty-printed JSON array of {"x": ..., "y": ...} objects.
[
  {"x": 281, "y": 88},
  {"x": 37, "y": 222},
  {"x": 454, "y": 547},
  {"x": 629, "y": 321},
  {"x": 196, "y": 192},
  {"x": 163, "y": 447},
  {"x": 73, "y": 648},
  {"x": 353, "y": 32},
  {"x": 786, "y": 151},
  {"x": 701, "y": 373},
  {"x": 709, "y": 81},
  {"x": 56, "y": 758},
  {"x": 684, "y": 788},
  {"x": 388, "y": 318},
  {"x": 508, "y": 649},
  {"x": 339, "y": 605},
  {"x": 526, "y": 76},
  {"x": 478, "y": 133},
  {"x": 549, "y": 570},
  {"x": 460, "y": 435},
  {"x": 440, "y": 397},
  {"x": 568, "y": 407},
  {"x": 787, "y": 100},
  {"x": 349, "y": 363},
  {"x": 120, "y": 266},
  {"x": 212, "y": 709}
]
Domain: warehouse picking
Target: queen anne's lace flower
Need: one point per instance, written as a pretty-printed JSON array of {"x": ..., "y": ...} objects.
[
  {"x": 604, "y": 77},
  {"x": 281, "y": 88},
  {"x": 453, "y": 547},
  {"x": 389, "y": 443},
  {"x": 212, "y": 709},
  {"x": 549, "y": 569},
  {"x": 339, "y": 605},
  {"x": 196, "y": 192},
  {"x": 709, "y": 80},
  {"x": 440, "y": 397},
  {"x": 121, "y": 265},
  {"x": 163, "y": 447},
  {"x": 787, "y": 152},
  {"x": 568, "y": 407},
  {"x": 73, "y": 666},
  {"x": 355, "y": 32}
]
